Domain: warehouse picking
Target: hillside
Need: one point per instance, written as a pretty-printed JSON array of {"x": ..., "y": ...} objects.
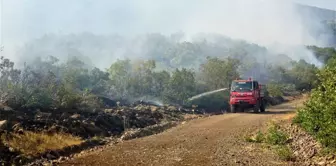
[
  {"x": 323, "y": 27},
  {"x": 320, "y": 13}
]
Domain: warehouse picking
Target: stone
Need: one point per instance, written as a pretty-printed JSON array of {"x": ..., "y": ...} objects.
[
  {"x": 61, "y": 159},
  {"x": 330, "y": 157},
  {"x": 3, "y": 125},
  {"x": 75, "y": 116},
  {"x": 154, "y": 108},
  {"x": 50, "y": 157},
  {"x": 11, "y": 149},
  {"x": 6, "y": 108},
  {"x": 322, "y": 163}
]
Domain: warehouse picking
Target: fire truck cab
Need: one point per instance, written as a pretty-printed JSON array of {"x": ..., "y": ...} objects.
[{"x": 247, "y": 94}]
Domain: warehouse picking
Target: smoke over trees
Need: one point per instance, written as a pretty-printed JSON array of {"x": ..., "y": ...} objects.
[
  {"x": 50, "y": 83},
  {"x": 68, "y": 70}
]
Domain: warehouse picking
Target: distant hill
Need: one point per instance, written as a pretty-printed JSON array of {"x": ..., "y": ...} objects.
[
  {"x": 324, "y": 25},
  {"x": 319, "y": 13}
]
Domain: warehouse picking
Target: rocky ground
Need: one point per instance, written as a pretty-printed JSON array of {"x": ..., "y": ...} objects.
[{"x": 306, "y": 149}]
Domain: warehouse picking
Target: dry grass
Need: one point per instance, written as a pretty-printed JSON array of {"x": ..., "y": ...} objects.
[
  {"x": 33, "y": 144},
  {"x": 289, "y": 116},
  {"x": 191, "y": 116}
]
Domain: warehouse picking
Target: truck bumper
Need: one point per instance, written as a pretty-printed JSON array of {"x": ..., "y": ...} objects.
[{"x": 243, "y": 101}]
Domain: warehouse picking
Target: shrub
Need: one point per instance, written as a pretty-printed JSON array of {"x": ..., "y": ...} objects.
[
  {"x": 285, "y": 153},
  {"x": 259, "y": 137},
  {"x": 275, "y": 136},
  {"x": 319, "y": 113},
  {"x": 40, "y": 98},
  {"x": 214, "y": 101},
  {"x": 274, "y": 90}
]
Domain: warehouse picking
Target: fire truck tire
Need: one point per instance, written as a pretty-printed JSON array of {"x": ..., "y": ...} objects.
[
  {"x": 262, "y": 106},
  {"x": 256, "y": 108},
  {"x": 233, "y": 109}
]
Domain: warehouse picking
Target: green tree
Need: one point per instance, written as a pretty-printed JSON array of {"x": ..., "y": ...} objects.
[
  {"x": 142, "y": 78},
  {"x": 180, "y": 87},
  {"x": 120, "y": 75},
  {"x": 217, "y": 73},
  {"x": 161, "y": 79},
  {"x": 303, "y": 75},
  {"x": 323, "y": 54}
]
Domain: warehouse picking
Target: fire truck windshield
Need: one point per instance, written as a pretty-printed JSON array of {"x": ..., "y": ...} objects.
[{"x": 241, "y": 86}]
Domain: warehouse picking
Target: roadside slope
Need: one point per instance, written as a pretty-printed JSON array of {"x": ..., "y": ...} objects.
[{"x": 216, "y": 140}]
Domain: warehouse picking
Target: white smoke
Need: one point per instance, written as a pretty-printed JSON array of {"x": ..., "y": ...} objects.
[{"x": 275, "y": 24}]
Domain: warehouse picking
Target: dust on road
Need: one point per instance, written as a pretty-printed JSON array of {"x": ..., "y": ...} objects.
[{"x": 216, "y": 140}]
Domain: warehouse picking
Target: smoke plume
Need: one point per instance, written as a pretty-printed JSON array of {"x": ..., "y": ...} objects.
[{"x": 105, "y": 30}]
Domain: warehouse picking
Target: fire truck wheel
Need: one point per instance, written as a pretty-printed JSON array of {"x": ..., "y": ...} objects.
[
  {"x": 233, "y": 109},
  {"x": 262, "y": 106},
  {"x": 256, "y": 108}
]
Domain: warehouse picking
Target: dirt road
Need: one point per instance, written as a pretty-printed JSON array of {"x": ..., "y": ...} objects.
[{"x": 216, "y": 140}]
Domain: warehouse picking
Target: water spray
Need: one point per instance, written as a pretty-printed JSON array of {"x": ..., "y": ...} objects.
[{"x": 207, "y": 93}]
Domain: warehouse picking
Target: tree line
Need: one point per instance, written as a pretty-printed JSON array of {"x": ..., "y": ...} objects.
[{"x": 51, "y": 84}]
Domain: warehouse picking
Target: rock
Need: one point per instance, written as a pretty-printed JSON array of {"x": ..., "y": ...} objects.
[
  {"x": 20, "y": 131},
  {"x": 11, "y": 149},
  {"x": 92, "y": 129},
  {"x": 154, "y": 108},
  {"x": 50, "y": 157},
  {"x": 322, "y": 163},
  {"x": 171, "y": 108},
  {"x": 5, "y": 108},
  {"x": 61, "y": 159},
  {"x": 311, "y": 153},
  {"x": 3, "y": 125},
  {"x": 16, "y": 127},
  {"x": 108, "y": 110},
  {"x": 75, "y": 116},
  {"x": 330, "y": 157},
  {"x": 42, "y": 115},
  {"x": 53, "y": 129}
]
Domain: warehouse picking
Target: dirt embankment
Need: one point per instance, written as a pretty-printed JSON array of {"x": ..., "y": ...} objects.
[{"x": 216, "y": 140}]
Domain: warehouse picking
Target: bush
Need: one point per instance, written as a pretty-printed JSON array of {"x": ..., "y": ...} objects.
[
  {"x": 285, "y": 153},
  {"x": 40, "y": 98},
  {"x": 214, "y": 101},
  {"x": 275, "y": 136},
  {"x": 260, "y": 137},
  {"x": 319, "y": 113},
  {"x": 274, "y": 90}
]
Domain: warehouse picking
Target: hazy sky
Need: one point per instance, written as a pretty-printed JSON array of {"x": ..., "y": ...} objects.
[
  {"x": 22, "y": 20},
  {"x": 328, "y": 4},
  {"x": 31, "y": 18}
]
